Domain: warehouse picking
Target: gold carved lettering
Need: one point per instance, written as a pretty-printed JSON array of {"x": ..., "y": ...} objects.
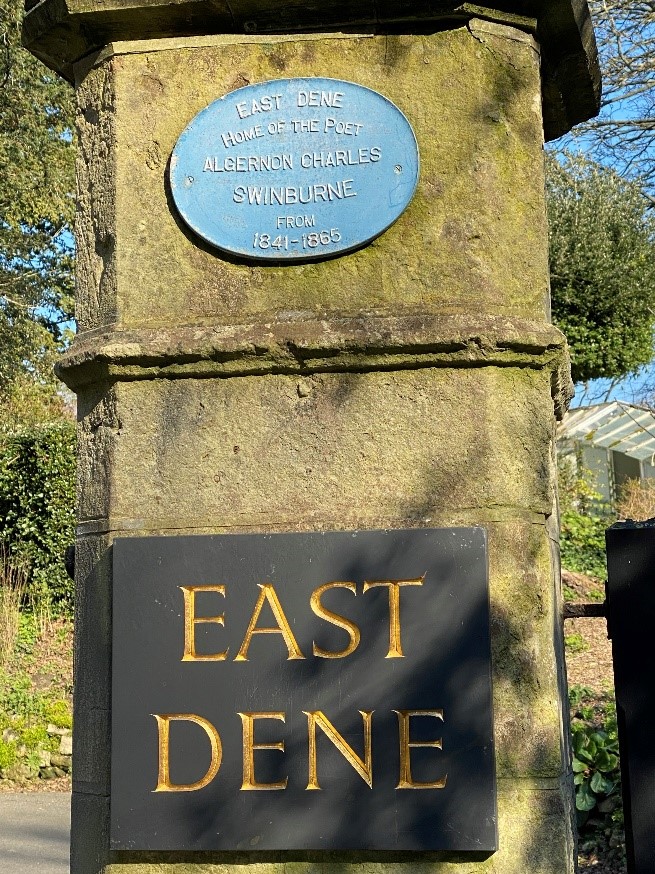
[
  {"x": 249, "y": 747},
  {"x": 405, "y": 780},
  {"x": 395, "y": 645},
  {"x": 163, "y": 777},
  {"x": 334, "y": 619},
  {"x": 269, "y": 594},
  {"x": 191, "y": 620},
  {"x": 363, "y": 767}
]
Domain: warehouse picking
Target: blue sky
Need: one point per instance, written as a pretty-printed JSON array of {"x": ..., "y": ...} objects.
[{"x": 635, "y": 388}]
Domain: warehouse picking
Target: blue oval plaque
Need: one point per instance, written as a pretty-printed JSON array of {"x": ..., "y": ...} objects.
[{"x": 294, "y": 169}]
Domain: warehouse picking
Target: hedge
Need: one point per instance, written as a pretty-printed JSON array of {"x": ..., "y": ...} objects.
[{"x": 37, "y": 510}]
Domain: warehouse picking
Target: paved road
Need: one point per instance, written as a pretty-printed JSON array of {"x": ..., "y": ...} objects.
[{"x": 34, "y": 832}]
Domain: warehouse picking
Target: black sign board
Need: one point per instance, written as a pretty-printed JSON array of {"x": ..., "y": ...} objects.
[
  {"x": 630, "y": 624},
  {"x": 302, "y": 692}
]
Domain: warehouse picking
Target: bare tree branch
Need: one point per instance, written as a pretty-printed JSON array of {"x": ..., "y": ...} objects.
[{"x": 623, "y": 136}]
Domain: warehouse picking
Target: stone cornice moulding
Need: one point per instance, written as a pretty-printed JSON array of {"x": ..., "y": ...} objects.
[
  {"x": 63, "y": 32},
  {"x": 306, "y": 346}
]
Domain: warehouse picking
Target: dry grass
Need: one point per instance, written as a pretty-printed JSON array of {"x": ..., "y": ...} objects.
[
  {"x": 637, "y": 500},
  {"x": 12, "y": 588}
]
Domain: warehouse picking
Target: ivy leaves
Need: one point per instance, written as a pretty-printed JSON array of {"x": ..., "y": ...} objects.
[
  {"x": 595, "y": 767},
  {"x": 37, "y": 509}
]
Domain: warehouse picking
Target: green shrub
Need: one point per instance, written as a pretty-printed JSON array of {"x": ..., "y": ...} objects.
[
  {"x": 575, "y": 643},
  {"x": 37, "y": 509},
  {"x": 579, "y": 699},
  {"x": 19, "y": 700},
  {"x": 59, "y": 714},
  {"x": 27, "y": 634},
  {"x": 582, "y": 541},
  {"x": 7, "y": 754},
  {"x": 596, "y": 770},
  {"x": 22, "y": 706},
  {"x": 36, "y": 736},
  {"x": 584, "y": 519}
]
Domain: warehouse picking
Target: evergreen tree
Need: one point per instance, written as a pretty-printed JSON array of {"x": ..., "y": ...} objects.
[
  {"x": 36, "y": 208},
  {"x": 602, "y": 263}
]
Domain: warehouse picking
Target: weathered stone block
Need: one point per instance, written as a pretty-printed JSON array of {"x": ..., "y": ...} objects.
[
  {"x": 474, "y": 233},
  {"x": 346, "y": 450},
  {"x": 92, "y": 699},
  {"x": 66, "y": 744},
  {"x": 524, "y": 618}
]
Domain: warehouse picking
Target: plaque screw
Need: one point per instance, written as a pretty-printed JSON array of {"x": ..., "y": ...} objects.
[
  {"x": 398, "y": 169},
  {"x": 189, "y": 179},
  {"x": 250, "y": 26}
]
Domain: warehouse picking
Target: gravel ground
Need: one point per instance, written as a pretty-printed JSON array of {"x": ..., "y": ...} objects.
[
  {"x": 593, "y": 666},
  {"x": 58, "y": 784}
]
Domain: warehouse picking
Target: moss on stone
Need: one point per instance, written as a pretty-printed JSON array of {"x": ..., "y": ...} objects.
[{"x": 474, "y": 234}]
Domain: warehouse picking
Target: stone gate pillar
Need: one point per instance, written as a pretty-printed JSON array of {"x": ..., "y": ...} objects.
[{"x": 413, "y": 382}]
